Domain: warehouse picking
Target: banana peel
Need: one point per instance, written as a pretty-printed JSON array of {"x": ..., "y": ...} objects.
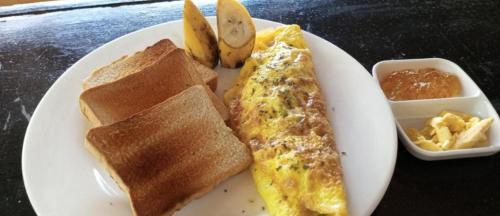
[
  {"x": 199, "y": 38},
  {"x": 236, "y": 32}
]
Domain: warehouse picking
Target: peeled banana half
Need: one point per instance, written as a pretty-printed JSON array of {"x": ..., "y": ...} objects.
[{"x": 236, "y": 32}]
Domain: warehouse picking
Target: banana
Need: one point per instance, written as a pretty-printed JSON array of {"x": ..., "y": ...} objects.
[
  {"x": 199, "y": 38},
  {"x": 236, "y": 33}
]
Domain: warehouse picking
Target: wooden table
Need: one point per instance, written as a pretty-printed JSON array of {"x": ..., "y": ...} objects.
[{"x": 39, "y": 42}]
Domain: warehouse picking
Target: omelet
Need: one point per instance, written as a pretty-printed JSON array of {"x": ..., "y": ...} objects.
[{"x": 277, "y": 108}]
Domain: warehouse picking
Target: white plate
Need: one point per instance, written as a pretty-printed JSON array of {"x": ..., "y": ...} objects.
[
  {"x": 62, "y": 178},
  {"x": 414, "y": 113}
]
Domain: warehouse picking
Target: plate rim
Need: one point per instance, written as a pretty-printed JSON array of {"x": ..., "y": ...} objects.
[{"x": 26, "y": 140}]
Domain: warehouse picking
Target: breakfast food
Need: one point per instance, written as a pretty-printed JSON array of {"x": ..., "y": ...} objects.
[
  {"x": 451, "y": 130},
  {"x": 137, "y": 62},
  {"x": 127, "y": 65},
  {"x": 116, "y": 101},
  {"x": 236, "y": 33},
  {"x": 161, "y": 132},
  {"x": 424, "y": 83},
  {"x": 277, "y": 108},
  {"x": 169, "y": 154},
  {"x": 208, "y": 75},
  {"x": 199, "y": 38}
]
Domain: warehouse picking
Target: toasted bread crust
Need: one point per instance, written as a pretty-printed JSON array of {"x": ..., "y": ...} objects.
[
  {"x": 127, "y": 65},
  {"x": 116, "y": 101},
  {"x": 136, "y": 62},
  {"x": 169, "y": 154},
  {"x": 208, "y": 75}
]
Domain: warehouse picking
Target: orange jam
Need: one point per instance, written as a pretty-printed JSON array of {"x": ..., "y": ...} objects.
[{"x": 425, "y": 83}]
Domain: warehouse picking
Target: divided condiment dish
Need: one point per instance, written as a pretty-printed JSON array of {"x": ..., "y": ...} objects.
[{"x": 414, "y": 113}]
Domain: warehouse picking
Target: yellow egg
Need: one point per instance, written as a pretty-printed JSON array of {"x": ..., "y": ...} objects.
[{"x": 277, "y": 108}]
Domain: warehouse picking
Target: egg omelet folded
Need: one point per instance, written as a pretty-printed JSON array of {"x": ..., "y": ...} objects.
[{"x": 277, "y": 108}]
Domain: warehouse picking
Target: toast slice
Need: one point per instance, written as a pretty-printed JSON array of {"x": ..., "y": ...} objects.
[
  {"x": 127, "y": 65},
  {"x": 118, "y": 100},
  {"x": 170, "y": 154},
  {"x": 208, "y": 75}
]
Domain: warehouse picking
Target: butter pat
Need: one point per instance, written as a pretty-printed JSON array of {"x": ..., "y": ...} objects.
[
  {"x": 475, "y": 135},
  {"x": 451, "y": 130}
]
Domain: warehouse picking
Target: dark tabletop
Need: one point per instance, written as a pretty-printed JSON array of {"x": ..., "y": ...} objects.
[{"x": 38, "y": 43}]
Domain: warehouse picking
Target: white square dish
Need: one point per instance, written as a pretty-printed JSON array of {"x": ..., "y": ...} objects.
[{"x": 414, "y": 113}]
